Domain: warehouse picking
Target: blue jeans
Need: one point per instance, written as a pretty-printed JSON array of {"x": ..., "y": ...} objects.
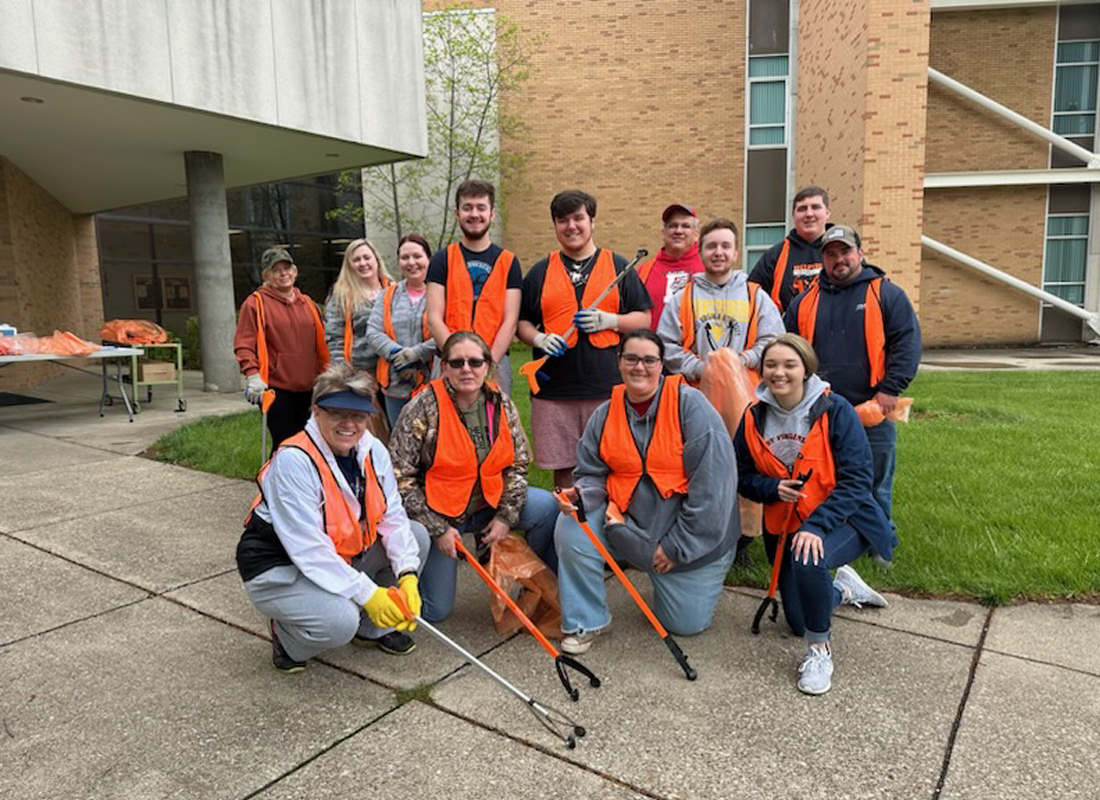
[
  {"x": 807, "y": 590},
  {"x": 393, "y": 407},
  {"x": 883, "y": 439},
  {"x": 684, "y": 602},
  {"x": 437, "y": 581}
]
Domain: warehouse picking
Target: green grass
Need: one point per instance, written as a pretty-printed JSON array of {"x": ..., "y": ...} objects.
[{"x": 995, "y": 497}]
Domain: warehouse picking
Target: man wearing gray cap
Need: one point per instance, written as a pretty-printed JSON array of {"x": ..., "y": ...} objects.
[{"x": 867, "y": 338}]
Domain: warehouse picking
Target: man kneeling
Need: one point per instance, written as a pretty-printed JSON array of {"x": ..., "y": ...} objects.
[
  {"x": 327, "y": 533},
  {"x": 655, "y": 472}
]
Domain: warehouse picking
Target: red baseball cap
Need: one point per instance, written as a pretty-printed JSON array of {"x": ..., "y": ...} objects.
[{"x": 677, "y": 207}]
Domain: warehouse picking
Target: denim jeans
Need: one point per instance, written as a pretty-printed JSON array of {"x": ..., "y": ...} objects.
[
  {"x": 437, "y": 582},
  {"x": 684, "y": 602},
  {"x": 807, "y": 590},
  {"x": 883, "y": 439}
]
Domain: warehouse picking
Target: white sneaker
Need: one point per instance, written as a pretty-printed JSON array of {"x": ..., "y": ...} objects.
[
  {"x": 577, "y": 643},
  {"x": 816, "y": 671},
  {"x": 855, "y": 591}
]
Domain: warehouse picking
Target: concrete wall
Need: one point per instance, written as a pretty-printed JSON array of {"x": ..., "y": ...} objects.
[
  {"x": 49, "y": 269},
  {"x": 1007, "y": 55},
  {"x": 323, "y": 66}
]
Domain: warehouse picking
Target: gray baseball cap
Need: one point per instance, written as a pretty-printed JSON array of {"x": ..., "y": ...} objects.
[
  {"x": 840, "y": 233},
  {"x": 272, "y": 256}
]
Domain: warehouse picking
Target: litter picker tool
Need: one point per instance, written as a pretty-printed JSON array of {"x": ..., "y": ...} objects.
[
  {"x": 666, "y": 637},
  {"x": 265, "y": 403},
  {"x": 780, "y": 553},
  {"x": 532, "y": 369},
  {"x": 553, "y": 720},
  {"x": 561, "y": 661}
]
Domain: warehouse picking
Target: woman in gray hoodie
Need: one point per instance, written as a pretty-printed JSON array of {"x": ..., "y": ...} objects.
[{"x": 802, "y": 452}]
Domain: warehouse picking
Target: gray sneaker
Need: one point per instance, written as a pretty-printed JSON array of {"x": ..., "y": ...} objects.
[
  {"x": 816, "y": 672},
  {"x": 855, "y": 591}
]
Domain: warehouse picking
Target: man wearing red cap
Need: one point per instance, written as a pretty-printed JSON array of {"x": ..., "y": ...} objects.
[{"x": 675, "y": 262}]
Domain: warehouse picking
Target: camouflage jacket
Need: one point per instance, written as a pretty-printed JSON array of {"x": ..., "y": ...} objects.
[{"x": 412, "y": 449}]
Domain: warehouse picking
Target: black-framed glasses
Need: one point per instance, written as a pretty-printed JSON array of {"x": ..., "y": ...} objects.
[
  {"x": 633, "y": 360},
  {"x": 459, "y": 363}
]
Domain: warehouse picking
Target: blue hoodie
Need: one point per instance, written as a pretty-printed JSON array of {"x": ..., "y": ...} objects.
[{"x": 840, "y": 344}]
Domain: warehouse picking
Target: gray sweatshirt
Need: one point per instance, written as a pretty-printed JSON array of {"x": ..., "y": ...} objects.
[
  {"x": 785, "y": 431},
  {"x": 407, "y": 326},
  {"x": 363, "y": 356},
  {"x": 693, "y": 529},
  {"x": 721, "y": 320}
]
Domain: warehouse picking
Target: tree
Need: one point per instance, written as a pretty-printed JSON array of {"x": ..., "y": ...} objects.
[{"x": 472, "y": 58}]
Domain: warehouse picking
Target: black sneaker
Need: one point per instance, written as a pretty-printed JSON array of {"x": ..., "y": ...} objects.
[
  {"x": 743, "y": 558},
  {"x": 395, "y": 643},
  {"x": 279, "y": 658}
]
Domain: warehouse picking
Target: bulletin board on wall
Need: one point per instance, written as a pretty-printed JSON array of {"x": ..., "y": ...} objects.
[{"x": 171, "y": 293}]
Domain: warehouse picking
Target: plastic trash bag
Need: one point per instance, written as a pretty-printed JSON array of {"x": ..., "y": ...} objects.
[
  {"x": 527, "y": 580},
  {"x": 60, "y": 343},
  {"x": 133, "y": 331},
  {"x": 870, "y": 413}
]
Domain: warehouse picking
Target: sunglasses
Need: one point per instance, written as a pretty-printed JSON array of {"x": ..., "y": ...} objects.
[{"x": 459, "y": 363}]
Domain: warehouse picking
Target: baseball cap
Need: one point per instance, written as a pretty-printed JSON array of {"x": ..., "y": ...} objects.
[
  {"x": 347, "y": 400},
  {"x": 840, "y": 233},
  {"x": 681, "y": 208},
  {"x": 272, "y": 256}
]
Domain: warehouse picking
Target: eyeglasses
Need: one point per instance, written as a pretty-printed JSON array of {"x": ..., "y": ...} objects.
[
  {"x": 632, "y": 360},
  {"x": 459, "y": 363}
]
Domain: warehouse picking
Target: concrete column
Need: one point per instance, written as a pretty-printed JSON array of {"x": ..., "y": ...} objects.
[{"x": 213, "y": 270}]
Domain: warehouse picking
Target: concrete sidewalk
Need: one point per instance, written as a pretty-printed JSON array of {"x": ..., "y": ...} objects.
[{"x": 132, "y": 665}]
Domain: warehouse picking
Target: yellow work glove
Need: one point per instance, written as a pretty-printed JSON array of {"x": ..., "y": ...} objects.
[
  {"x": 410, "y": 587},
  {"x": 383, "y": 612}
]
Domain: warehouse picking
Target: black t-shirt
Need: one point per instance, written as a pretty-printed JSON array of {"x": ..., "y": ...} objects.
[
  {"x": 584, "y": 372},
  {"x": 479, "y": 264}
]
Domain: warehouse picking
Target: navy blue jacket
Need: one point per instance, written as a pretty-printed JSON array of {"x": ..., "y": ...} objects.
[
  {"x": 850, "y": 500},
  {"x": 841, "y": 346}
]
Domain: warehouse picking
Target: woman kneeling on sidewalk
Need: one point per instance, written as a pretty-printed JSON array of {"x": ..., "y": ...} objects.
[
  {"x": 802, "y": 452},
  {"x": 328, "y": 534}
]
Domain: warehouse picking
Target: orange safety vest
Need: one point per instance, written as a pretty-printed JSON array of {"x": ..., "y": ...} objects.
[
  {"x": 687, "y": 315},
  {"x": 347, "y": 320},
  {"x": 261, "y": 337},
  {"x": 382, "y": 371},
  {"x": 454, "y": 472},
  {"x": 874, "y": 331},
  {"x": 461, "y": 313},
  {"x": 815, "y": 454},
  {"x": 780, "y": 270},
  {"x": 559, "y": 298},
  {"x": 664, "y": 457},
  {"x": 350, "y": 536},
  {"x": 645, "y": 269}
]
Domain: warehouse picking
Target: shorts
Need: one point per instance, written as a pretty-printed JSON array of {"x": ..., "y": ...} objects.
[{"x": 556, "y": 428}]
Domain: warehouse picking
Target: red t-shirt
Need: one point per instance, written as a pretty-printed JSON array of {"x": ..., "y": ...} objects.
[{"x": 668, "y": 276}]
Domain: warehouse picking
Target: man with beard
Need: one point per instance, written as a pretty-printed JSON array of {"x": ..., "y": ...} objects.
[
  {"x": 787, "y": 269},
  {"x": 475, "y": 285},
  {"x": 677, "y": 260}
]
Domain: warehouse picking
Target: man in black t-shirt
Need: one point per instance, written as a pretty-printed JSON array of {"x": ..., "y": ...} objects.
[
  {"x": 560, "y": 291},
  {"x": 488, "y": 301}
]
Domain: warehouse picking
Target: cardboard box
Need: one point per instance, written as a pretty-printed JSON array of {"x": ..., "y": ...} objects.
[{"x": 157, "y": 371}]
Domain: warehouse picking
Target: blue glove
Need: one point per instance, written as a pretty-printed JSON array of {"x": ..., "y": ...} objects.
[
  {"x": 591, "y": 320},
  {"x": 550, "y": 343}
]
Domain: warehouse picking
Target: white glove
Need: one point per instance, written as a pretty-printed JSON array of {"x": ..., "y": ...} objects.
[
  {"x": 254, "y": 389},
  {"x": 591, "y": 320},
  {"x": 405, "y": 357},
  {"x": 550, "y": 343}
]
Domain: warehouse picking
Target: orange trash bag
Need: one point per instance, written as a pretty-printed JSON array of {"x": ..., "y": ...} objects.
[
  {"x": 870, "y": 413},
  {"x": 133, "y": 331},
  {"x": 527, "y": 580},
  {"x": 730, "y": 387},
  {"x": 60, "y": 343}
]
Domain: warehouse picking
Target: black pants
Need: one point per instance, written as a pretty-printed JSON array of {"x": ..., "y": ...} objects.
[{"x": 287, "y": 415}]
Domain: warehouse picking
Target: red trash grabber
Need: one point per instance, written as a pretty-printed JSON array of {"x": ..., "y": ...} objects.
[
  {"x": 561, "y": 661},
  {"x": 776, "y": 562},
  {"x": 666, "y": 637},
  {"x": 550, "y": 718},
  {"x": 532, "y": 369}
]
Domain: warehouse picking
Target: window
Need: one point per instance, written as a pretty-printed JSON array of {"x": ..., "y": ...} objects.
[
  {"x": 1067, "y": 242},
  {"x": 768, "y": 101},
  {"x": 1075, "y": 88},
  {"x": 759, "y": 238}
]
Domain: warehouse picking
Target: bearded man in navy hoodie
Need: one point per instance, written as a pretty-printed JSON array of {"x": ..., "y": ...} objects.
[{"x": 866, "y": 335}]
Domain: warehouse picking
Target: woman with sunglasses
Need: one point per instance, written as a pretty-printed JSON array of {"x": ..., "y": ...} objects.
[
  {"x": 461, "y": 457},
  {"x": 654, "y": 472},
  {"x": 361, "y": 281},
  {"x": 398, "y": 331},
  {"x": 802, "y": 452}
]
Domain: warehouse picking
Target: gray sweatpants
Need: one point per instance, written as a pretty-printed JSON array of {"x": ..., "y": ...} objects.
[{"x": 309, "y": 620}]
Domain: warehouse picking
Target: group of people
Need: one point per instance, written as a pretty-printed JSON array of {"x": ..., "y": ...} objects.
[{"x": 616, "y": 416}]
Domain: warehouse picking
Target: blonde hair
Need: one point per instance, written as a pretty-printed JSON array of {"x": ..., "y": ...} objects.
[{"x": 349, "y": 290}]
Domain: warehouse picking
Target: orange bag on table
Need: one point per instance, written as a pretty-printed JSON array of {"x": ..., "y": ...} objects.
[
  {"x": 523, "y": 576},
  {"x": 133, "y": 331},
  {"x": 730, "y": 387},
  {"x": 870, "y": 413},
  {"x": 60, "y": 343}
]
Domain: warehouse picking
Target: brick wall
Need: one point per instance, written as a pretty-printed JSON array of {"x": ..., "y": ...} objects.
[{"x": 49, "y": 269}]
